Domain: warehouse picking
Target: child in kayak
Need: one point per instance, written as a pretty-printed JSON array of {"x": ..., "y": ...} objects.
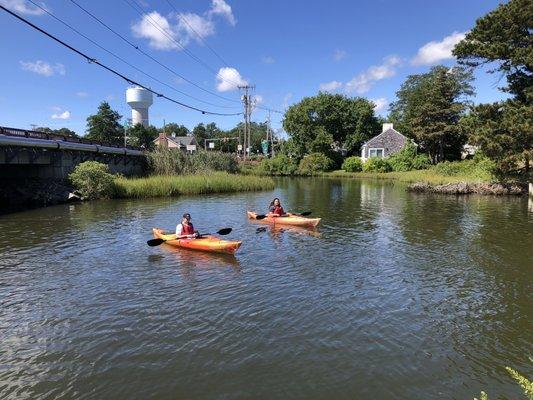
[
  {"x": 185, "y": 230},
  {"x": 276, "y": 210}
]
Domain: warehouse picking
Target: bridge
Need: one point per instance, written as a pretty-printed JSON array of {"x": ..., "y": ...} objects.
[{"x": 35, "y": 154}]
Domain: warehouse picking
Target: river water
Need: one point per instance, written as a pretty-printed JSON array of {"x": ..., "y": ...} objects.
[{"x": 395, "y": 296}]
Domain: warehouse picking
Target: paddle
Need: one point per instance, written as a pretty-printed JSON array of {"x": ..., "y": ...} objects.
[
  {"x": 304, "y": 214},
  {"x": 157, "y": 242}
]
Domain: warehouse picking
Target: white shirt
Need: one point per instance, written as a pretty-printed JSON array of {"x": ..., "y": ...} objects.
[{"x": 179, "y": 230}]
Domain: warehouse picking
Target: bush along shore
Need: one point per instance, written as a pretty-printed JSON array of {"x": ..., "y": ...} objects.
[
  {"x": 174, "y": 173},
  {"x": 476, "y": 175}
]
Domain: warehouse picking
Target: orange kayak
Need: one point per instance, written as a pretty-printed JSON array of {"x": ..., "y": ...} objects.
[
  {"x": 205, "y": 243},
  {"x": 293, "y": 220}
]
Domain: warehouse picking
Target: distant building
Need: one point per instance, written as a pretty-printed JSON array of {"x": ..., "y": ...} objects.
[
  {"x": 184, "y": 143},
  {"x": 468, "y": 151},
  {"x": 387, "y": 143}
]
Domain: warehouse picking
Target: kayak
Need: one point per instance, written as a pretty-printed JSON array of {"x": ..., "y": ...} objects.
[
  {"x": 293, "y": 220},
  {"x": 205, "y": 243}
]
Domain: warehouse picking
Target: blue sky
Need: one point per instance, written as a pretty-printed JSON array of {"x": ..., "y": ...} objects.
[{"x": 287, "y": 49}]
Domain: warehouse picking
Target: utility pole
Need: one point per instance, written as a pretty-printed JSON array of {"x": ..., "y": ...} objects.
[
  {"x": 248, "y": 105},
  {"x": 33, "y": 126},
  {"x": 270, "y": 134}
]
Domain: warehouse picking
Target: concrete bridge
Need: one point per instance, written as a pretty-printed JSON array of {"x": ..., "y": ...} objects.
[{"x": 34, "y": 154}]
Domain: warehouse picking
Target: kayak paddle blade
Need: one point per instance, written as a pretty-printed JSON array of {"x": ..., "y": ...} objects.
[
  {"x": 305, "y": 213},
  {"x": 155, "y": 242},
  {"x": 225, "y": 231},
  {"x": 261, "y": 216}
]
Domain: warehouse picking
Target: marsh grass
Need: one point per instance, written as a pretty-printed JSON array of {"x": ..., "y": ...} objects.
[
  {"x": 425, "y": 175},
  {"x": 176, "y": 185}
]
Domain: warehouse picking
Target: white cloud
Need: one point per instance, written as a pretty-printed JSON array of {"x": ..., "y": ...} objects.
[
  {"x": 176, "y": 30},
  {"x": 339, "y": 55},
  {"x": 220, "y": 7},
  {"x": 380, "y": 104},
  {"x": 330, "y": 86},
  {"x": 43, "y": 68},
  {"x": 195, "y": 26},
  {"x": 82, "y": 94},
  {"x": 258, "y": 99},
  {"x": 157, "y": 30},
  {"x": 268, "y": 60},
  {"x": 435, "y": 52},
  {"x": 23, "y": 7},
  {"x": 56, "y": 108},
  {"x": 63, "y": 115},
  {"x": 228, "y": 79},
  {"x": 364, "y": 81}
]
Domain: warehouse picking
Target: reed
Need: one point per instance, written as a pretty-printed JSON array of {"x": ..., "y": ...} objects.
[
  {"x": 176, "y": 185},
  {"x": 425, "y": 175}
]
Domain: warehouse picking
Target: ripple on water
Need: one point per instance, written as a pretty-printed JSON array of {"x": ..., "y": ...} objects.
[{"x": 395, "y": 296}]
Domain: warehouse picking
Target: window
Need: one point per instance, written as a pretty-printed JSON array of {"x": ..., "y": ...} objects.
[{"x": 375, "y": 153}]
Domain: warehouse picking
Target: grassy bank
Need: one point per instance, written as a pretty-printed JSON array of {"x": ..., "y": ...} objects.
[
  {"x": 175, "y": 185},
  {"x": 425, "y": 175}
]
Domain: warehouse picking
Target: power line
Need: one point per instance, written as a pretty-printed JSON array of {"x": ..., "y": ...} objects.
[
  {"x": 148, "y": 55},
  {"x": 154, "y": 23},
  {"x": 121, "y": 59},
  {"x": 94, "y": 61},
  {"x": 182, "y": 18}
]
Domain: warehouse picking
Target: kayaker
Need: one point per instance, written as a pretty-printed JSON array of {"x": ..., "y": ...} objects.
[
  {"x": 185, "y": 230},
  {"x": 275, "y": 209}
]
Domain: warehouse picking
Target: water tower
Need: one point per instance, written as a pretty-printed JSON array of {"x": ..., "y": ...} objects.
[{"x": 139, "y": 100}]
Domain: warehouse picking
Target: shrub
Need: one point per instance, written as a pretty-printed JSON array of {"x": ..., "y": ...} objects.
[
  {"x": 93, "y": 180},
  {"x": 315, "y": 163},
  {"x": 213, "y": 161},
  {"x": 375, "y": 164},
  {"x": 481, "y": 168},
  {"x": 407, "y": 159},
  {"x": 352, "y": 164},
  {"x": 278, "y": 165}
]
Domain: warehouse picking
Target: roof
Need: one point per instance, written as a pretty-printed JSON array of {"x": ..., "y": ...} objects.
[
  {"x": 180, "y": 140},
  {"x": 387, "y": 132}
]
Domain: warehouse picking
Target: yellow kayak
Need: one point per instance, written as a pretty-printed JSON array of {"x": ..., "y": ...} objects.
[
  {"x": 293, "y": 220},
  {"x": 204, "y": 243}
]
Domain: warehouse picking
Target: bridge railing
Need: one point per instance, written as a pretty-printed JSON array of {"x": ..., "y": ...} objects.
[{"x": 4, "y": 130}]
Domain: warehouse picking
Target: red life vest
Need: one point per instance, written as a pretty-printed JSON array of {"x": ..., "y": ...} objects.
[
  {"x": 279, "y": 210},
  {"x": 187, "y": 229}
]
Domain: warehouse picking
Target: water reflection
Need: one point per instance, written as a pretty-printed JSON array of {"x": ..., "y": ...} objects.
[{"x": 431, "y": 294}]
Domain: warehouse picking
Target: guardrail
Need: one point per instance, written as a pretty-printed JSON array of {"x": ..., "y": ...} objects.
[{"x": 55, "y": 136}]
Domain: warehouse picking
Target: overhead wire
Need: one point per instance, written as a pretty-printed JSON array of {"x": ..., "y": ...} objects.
[
  {"x": 109, "y": 69},
  {"x": 184, "y": 20},
  {"x": 134, "y": 4},
  {"x": 101, "y": 22},
  {"x": 123, "y": 60}
]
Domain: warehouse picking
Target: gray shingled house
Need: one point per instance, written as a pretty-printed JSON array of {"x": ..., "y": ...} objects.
[
  {"x": 184, "y": 143},
  {"x": 387, "y": 143}
]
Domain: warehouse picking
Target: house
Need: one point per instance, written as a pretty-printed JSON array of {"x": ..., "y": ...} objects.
[
  {"x": 387, "y": 143},
  {"x": 184, "y": 143}
]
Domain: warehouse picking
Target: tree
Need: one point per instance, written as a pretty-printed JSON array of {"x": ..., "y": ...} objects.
[
  {"x": 504, "y": 132},
  {"x": 503, "y": 37},
  {"x": 202, "y": 132},
  {"x": 429, "y": 107},
  {"x": 60, "y": 131},
  {"x": 348, "y": 121},
  {"x": 105, "y": 125},
  {"x": 142, "y": 136},
  {"x": 179, "y": 130}
]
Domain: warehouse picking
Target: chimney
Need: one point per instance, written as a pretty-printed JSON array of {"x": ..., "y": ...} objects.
[
  {"x": 387, "y": 127},
  {"x": 163, "y": 141}
]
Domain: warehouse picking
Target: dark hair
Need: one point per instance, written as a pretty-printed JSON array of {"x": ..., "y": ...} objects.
[{"x": 273, "y": 201}]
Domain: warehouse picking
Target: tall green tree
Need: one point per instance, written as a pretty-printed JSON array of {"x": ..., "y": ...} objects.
[
  {"x": 202, "y": 132},
  {"x": 429, "y": 107},
  {"x": 179, "y": 130},
  {"x": 348, "y": 122},
  {"x": 142, "y": 136},
  {"x": 105, "y": 125},
  {"x": 503, "y": 41}
]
